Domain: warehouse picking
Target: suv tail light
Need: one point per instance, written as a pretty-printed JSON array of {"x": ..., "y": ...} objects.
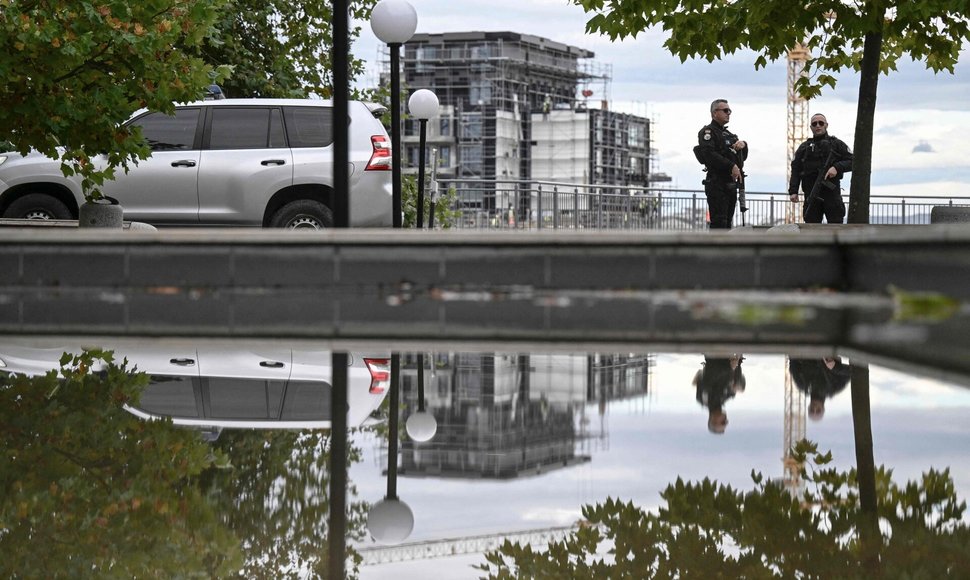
[
  {"x": 380, "y": 159},
  {"x": 380, "y": 374}
]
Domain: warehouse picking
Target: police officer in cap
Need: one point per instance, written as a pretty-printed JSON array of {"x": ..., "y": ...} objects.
[
  {"x": 821, "y": 153},
  {"x": 723, "y": 155}
]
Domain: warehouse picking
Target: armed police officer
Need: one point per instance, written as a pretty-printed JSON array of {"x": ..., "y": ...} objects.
[
  {"x": 819, "y": 165},
  {"x": 723, "y": 155}
]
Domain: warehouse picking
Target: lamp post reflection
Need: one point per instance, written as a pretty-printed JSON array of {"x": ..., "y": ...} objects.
[
  {"x": 337, "y": 524},
  {"x": 390, "y": 521},
  {"x": 394, "y": 22},
  {"x": 421, "y": 426}
]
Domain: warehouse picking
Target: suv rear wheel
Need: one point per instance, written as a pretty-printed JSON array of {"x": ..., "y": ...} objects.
[
  {"x": 303, "y": 214},
  {"x": 38, "y": 206}
]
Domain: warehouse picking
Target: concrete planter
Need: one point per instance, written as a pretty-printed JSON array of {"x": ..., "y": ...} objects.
[{"x": 101, "y": 213}]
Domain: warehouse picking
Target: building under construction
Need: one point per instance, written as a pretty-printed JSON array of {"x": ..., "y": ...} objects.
[{"x": 521, "y": 107}]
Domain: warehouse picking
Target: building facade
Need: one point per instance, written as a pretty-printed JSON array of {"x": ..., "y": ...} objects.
[{"x": 517, "y": 107}]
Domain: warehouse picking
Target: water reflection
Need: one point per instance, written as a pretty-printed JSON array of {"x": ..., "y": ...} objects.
[
  {"x": 717, "y": 382},
  {"x": 820, "y": 379},
  {"x": 524, "y": 440},
  {"x": 89, "y": 490},
  {"x": 122, "y": 473},
  {"x": 215, "y": 386},
  {"x": 504, "y": 415},
  {"x": 646, "y": 442}
]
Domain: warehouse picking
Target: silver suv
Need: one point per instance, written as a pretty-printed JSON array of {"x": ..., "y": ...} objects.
[{"x": 252, "y": 162}]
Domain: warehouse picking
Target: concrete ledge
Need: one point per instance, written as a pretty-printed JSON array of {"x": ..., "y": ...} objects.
[
  {"x": 945, "y": 214},
  {"x": 25, "y": 223},
  {"x": 917, "y": 258},
  {"x": 742, "y": 288}
]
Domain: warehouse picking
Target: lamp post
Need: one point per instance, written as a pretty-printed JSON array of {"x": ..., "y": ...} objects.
[
  {"x": 422, "y": 105},
  {"x": 394, "y": 22}
]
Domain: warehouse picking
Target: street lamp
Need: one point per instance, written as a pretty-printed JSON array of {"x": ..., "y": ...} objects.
[
  {"x": 394, "y": 22},
  {"x": 422, "y": 105}
]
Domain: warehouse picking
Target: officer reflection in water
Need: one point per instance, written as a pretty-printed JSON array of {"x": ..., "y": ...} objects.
[
  {"x": 718, "y": 381},
  {"x": 820, "y": 379},
  {"x": 723, "y": 155},
  {"x": 822, "y": 156}
]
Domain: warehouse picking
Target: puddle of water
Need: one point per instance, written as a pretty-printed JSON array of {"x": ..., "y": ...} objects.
[{"x": 522, "y": 443}]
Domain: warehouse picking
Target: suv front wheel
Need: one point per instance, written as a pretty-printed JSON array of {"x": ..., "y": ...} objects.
[{"x": 303, "y": 214}]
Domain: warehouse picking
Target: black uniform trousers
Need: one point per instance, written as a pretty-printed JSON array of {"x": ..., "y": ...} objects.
[
  {"x": 722, "y": 197},
  {"x": 829, "y": 203}
]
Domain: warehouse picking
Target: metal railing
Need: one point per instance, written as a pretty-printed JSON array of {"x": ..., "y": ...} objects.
[{"x": 508, "y": 204}]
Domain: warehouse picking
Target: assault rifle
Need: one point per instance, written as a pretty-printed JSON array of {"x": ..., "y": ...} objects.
[
  {"x": 820, "y": 180},
  {"x": 742, "y": 202}
]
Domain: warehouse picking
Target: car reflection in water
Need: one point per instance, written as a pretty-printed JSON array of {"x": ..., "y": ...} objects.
[{"x": 228, "y": 387}]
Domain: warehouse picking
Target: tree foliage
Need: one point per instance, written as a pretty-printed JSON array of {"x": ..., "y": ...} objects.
[
  {"x": 445, "y": 213},
  {"x": 280, "y": 48},
  {"x": 708, "y": 530},
  {"x": 869, "y": 36},
  {"x": 932, "y": 31},
  {"x": 75, "y": 70},
  {"x": 89, "y": 490}
]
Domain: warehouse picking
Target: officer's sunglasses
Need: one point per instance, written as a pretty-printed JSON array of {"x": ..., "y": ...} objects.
[
  {"x": 728, "y": 111},
  {"x": 818, "y": 123}
]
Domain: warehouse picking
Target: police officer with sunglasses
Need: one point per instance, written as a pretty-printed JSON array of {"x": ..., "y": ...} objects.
[
  {"x": 723, "y": 155},
  {"x": 821, "y": 153}
]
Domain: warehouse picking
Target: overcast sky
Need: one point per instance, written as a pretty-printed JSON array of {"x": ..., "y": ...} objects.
[{"x": 913, "y": 106}]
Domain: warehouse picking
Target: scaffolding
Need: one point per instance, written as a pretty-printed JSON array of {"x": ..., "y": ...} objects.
[{"x": 496, "y": 84}]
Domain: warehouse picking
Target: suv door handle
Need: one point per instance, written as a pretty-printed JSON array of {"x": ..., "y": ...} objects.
[
  {"x": 183, "y": 362},
  {"x": 183, "y": 163},
  {"x": 273, "y": 162},
  {"x": 271, "y": 364}
]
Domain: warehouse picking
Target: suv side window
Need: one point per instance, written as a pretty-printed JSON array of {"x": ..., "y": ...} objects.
[
  {"x": 245, "y": 128},
  {"x": 309, "y": 126},
  {"x": 167, "y": 133}
]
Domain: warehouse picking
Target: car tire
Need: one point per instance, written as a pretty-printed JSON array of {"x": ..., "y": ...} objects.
[
  {"x": 303, "y": 214},
  {"x": 38, "y": 206}
]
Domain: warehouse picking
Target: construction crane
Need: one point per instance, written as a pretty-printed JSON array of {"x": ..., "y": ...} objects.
[
  {"x": 794, "y": 431},
  {"x": 798, "y": 129},
  {"x": 798, "y": 132}
]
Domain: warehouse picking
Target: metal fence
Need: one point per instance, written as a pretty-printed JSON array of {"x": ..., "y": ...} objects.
[{"x": 502, "y": 204}]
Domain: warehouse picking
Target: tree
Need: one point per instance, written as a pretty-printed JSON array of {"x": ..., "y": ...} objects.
[
  {"x": 707, "y": 530},
  {"x": 75, "y": 70},
  {"x": 868, "y": 36},
  {"x": 445, "y": 214},
  {"x": 89, "y": 490},
  {"x": 279, "y": 48}
]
